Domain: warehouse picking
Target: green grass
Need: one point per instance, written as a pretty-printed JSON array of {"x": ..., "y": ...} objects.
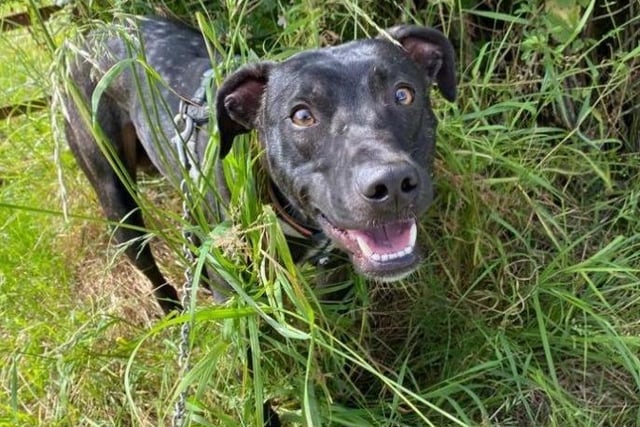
[{"x": 524, "y": 314}]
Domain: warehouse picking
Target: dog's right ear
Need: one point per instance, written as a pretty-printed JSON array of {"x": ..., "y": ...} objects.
[
  {"x": 433, "y": 51},
  {"x": 239, "y": 101}
]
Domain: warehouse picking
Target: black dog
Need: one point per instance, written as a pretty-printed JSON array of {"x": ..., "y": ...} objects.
[{"x": 348, "y": 133}]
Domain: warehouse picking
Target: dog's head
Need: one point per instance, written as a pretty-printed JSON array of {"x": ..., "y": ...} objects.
[{"x": 349, "y": 136}]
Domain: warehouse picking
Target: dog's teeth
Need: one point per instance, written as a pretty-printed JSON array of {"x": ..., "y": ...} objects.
[
  {"x": 388, "y": 257},
  {"x": 368, "y": 252},
  {"x": 413, "y": 235},
  {"x": 364, "y": 247}
]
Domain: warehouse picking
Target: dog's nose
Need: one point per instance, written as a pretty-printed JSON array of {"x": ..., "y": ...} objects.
[{"x": 396, "y": 183}]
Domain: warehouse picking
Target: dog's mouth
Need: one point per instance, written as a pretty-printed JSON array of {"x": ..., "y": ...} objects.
[{"x": 386, "y": 251}]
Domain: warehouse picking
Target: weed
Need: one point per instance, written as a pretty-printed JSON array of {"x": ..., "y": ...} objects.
[{"x": 524, "y": 313}]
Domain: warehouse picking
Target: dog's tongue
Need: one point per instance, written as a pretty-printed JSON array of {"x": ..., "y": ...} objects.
[{"x": 388, "y": 241}]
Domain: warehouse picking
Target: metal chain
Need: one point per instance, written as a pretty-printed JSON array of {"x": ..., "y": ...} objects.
[
  {"x": 184, "y": 139},
  {"x": 180, "y": 141}
]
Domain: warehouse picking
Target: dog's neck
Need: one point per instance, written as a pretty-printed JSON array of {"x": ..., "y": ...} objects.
[
  {"x": 293, "y": 222},
  {"x": 307, "y": 242}
]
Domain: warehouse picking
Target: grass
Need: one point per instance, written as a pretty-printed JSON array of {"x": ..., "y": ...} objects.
[{"x": 525, "y": 312}]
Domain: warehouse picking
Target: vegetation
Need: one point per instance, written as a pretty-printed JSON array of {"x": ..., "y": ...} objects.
[{"x": 524, "y": 314}]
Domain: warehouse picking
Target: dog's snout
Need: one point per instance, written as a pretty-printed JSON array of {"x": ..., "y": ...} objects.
[{"x": 397, "y": 183}]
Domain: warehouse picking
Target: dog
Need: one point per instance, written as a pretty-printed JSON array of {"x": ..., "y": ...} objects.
[
  {"x": 347, "y": 132},
  {"x": 348, "y": 135}
]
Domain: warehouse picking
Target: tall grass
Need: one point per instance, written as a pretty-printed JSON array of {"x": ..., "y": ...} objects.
[{"x": 525, "y": 311}]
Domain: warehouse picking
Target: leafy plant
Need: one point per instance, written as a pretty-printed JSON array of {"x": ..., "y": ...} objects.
[{"x": 525, "y": 312}]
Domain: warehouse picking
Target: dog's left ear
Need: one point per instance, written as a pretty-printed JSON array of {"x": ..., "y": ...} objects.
[
  {"x": 239, "y": 101},
  {"x": 433, "y": 51}
]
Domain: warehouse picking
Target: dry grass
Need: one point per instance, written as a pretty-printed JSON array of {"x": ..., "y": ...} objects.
[{"x": 525, "y": 313}]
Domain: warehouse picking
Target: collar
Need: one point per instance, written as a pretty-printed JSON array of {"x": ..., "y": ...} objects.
[
  {"x": 295, "y": 227},
  {"x": 290, "y": 217}
]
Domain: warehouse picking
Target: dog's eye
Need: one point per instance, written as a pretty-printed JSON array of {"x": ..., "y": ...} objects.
[
  {"x": 302, "y": 117},
  {"x": 404, "y": 95}
]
